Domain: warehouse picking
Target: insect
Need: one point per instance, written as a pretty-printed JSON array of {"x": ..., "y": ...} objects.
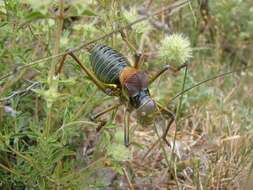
[
  {"x": 113, "y": 68},
  {"x": 115, "y": 76}
]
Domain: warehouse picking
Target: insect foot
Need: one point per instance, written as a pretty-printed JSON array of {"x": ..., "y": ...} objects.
[{"x": 109, "y": 91}]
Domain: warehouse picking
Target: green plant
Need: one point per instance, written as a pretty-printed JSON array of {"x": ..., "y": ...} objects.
[{"x": 47, "y": 140}]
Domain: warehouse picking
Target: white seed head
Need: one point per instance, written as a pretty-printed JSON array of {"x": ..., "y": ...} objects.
[{"x": 176, "y": 48}]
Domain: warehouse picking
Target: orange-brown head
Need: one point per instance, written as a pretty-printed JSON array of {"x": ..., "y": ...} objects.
[{"x": 135, "y": 82}]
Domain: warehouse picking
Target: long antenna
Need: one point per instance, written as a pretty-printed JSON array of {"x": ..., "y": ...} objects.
[{"x": 209, "y": 79}]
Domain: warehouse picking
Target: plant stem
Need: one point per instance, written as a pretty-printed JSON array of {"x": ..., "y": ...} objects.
[
  {"x": 58, "y": 31},
  {"x": 177, "y": 114}
]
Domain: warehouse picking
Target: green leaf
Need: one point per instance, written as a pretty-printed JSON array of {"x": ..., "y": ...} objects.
[
  {"x": 35, "y": 16},
  {"x": 24, "y": 134},
  {"x": 2, "y": 13},
  {"x": 88, "y": 12},
  {"x": 3, "y": 24},
  {"x": 111, "y": 126},
  {"x": 59, "y": 154},
  {"x": 119, "y": 137}
]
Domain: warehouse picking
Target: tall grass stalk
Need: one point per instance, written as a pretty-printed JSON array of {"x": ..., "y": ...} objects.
[{"x": 51, "y": 73}]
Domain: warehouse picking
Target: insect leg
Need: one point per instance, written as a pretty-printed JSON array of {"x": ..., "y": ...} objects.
[
  {"x": 126, "y": 127},
  {"x": 99, "y": 114},
  {"x": 109, "y": 89},
  {"x": 129, "y": 44},
  {"x": 165, "y": 132},
  {"x": 167, "y": 67},
  {"x": 102, "y": 123},
  {"x": 172, "y": 119},
  {"x": 62, "y": 61},
  {"x": 137, "y": 54}
]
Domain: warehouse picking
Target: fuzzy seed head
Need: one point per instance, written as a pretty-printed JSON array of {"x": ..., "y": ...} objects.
[
  {"x": 176, "y": 48},
  {"x": 118, "y": 152}
]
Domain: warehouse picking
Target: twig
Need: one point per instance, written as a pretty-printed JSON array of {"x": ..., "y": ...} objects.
[
  {"x": 77, "y": 122},
  {"x": 173, "y": 158},
  {"x": 9, "y": 170},
  {"x": 15, "y": 93},
  {"x": 150, "y": 149},
  {"x": 128, "y": 180}
]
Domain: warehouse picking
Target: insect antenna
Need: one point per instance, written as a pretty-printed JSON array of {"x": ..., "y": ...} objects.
[
  {"x": 161, "y": 138},
  {"x": 159, "y": 106},
  {"x": 208, "y": 80}
]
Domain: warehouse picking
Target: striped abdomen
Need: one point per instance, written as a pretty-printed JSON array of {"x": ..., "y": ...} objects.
[{"x": 107, "y": 63}]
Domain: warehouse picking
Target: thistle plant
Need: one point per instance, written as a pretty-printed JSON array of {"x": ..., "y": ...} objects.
[
  {"x": 131, "y": 16},
  {"x": 89, "y": 31},
  {"x": 175, "y": 48},
  {"x": 117, "y": 151},
  {"x": 40, "y": 6}
]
